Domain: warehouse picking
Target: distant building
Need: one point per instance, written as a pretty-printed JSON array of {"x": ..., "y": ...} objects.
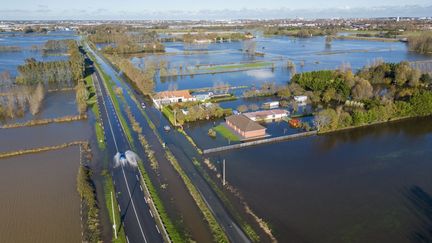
[
  {"x": 203, "y": 97},
  {"x": 271, "y": 105},
  {"x": 267, "y": 115},
  {"x": 169, "y": 97},
  {"x": 245, "y": 127}
]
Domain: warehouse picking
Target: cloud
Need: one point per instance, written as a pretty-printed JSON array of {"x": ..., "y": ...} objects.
[{"x": 43, "y": 12}]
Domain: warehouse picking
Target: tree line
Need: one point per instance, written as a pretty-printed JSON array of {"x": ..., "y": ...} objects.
[
  {"x": 142, "y": 79},
  {"x": 301, "y": 32},
  {"x": 61, "y": 73}
]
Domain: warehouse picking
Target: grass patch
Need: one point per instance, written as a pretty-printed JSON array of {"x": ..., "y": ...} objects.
[
  {"x": 92, "y": 98},
  {"x": 247, "y": 228},
  {"x": 222, "y": 99},
  {"x": 218, "y": 234},
  {"x": 226, "y": 133},
  {"x": 251, "y": 65},
  {"x": 169, "y": 114},
  {"x": 108, "y": 188},
  {"x": 100, "y": 136},
  {"x": 172, "y": 230}
]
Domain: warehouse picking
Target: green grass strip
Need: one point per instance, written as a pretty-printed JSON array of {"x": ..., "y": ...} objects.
[
  {"x": 226, "y": 133},
  {"x": 108, "y": 188}
]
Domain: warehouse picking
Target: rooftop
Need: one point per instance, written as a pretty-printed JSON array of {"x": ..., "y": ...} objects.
[
  {"x": 173, "y": 94},
  {"x": 265, "y": 113},
  {"x": 244, "y": 123}
]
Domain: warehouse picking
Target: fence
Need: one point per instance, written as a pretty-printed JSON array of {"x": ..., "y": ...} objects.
[{"x": 263, "y": 141}]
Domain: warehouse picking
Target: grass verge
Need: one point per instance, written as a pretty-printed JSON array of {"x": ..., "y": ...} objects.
[
  {"x": 226, "y": 133},
  {"x": 109, "y": 201},
  {"x": 247, "y": 228}
]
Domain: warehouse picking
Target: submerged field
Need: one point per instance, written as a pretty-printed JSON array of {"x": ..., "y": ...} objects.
[
  {"x": 365, "y": 185},
  {"x": 39, "y": 198},
  {"x": 307, "y": 54}
]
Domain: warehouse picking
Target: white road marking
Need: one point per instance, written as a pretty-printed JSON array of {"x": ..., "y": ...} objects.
[{"x": 133, "y": 205}]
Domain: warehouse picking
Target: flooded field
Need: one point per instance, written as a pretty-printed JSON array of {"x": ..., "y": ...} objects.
[
  {"x": 39, "y": 198},
  {"x": 56, "y": 104},
  {"x": 46, "y": 135},
  {"x": 9, "y": 61},
  {"x": 365, "y": 185},
  {"x": 307, "y": 53}
]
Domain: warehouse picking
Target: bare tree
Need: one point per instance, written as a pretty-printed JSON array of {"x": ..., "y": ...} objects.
[{"x": 36, "y": 99}]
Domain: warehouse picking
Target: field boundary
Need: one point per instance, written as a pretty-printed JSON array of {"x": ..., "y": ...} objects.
[
  {"x": 40, "y": 149},
  {"x": 257, "y": 142}
]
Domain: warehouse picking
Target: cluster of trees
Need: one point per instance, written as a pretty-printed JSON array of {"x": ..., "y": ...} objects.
[
  {"x": 142, "y": 79},
  {"x": 87, "y": 193},
  {"x": 126, "y": 46},
  {"x": 20, "y": 99},
  {"x": 419, "y": 104},
  {"x": 124, "y": 40},
  {"x": 57, "y": 45},
  {"x": 245, "y": 108},
  {"x": 385, "y": 91},
  {"x": 398, "y": 74},
  {"x": 196, "y": 112},
  {"x": 300, "y": 32},
  {"x": 57, "y": 72},
  {"x": 214, "y": 36},
  {"x": 32, "y": 29},
  {"x": 421, "y": 43},
  {"x": 266, "y": 89},
  {"x": 324, "y": 85}
]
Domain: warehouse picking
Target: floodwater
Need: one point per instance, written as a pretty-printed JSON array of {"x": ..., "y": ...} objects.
[
  {"x": 39, "y": 201},
  {"x": 46, "y": 135},
  {"x": 56, "y": 104},
  {"x": 9, "y": 61},
  {"x": 364, "y": 185},
  {"x": 311, "y": 51}
]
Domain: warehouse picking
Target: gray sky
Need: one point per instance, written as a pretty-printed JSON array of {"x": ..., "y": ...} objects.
[{"x": 209, "y": 9}]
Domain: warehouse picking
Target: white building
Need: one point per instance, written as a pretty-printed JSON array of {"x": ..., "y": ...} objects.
[
  {"x": 169, "y": 97},
  {"x": 267, "y": 115}
]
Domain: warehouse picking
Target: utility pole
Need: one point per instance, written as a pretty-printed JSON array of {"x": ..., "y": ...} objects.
[
  {"x": 223, "y": 175},
  {"x": 112, "y": 206},
  {"x": 175, "y": 118}
]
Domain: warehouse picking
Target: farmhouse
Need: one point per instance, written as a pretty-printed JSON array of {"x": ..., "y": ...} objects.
[
  {"x": 245, "y": 127},
  {"x": 267, "y": 115},
  {"x": 169, "y": 97}
]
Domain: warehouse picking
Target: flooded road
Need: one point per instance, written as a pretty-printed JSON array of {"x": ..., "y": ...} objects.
[
  {"x": 365, "y": 185},
  {"x": 39, "y": 201}
]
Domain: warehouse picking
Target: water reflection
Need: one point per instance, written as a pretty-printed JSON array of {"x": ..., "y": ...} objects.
[
  {"x": 412, "y": 130},
  {"x": 420, "y": 204}
]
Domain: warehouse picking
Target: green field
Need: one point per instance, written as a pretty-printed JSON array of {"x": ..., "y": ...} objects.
[
  {"x": 226, "y": 133},
  {"x": 240, "y": 66}
]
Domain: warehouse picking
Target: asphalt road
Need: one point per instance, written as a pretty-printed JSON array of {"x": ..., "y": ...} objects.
[
  {"x": 184, "y": 152},
  {"x": 136, "y": 217}
]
